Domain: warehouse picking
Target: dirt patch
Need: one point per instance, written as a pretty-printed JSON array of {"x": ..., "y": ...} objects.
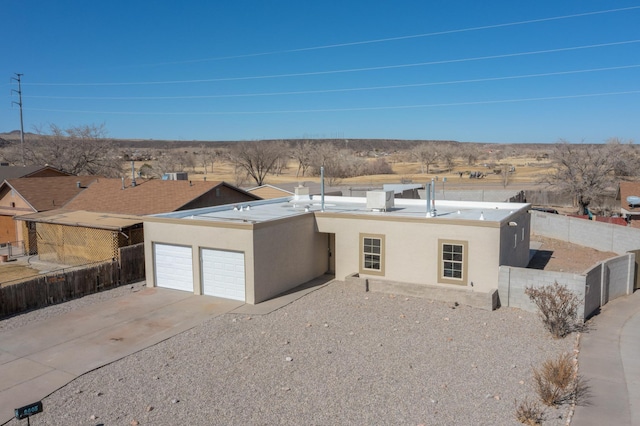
[{"x": 561, "y": 256}]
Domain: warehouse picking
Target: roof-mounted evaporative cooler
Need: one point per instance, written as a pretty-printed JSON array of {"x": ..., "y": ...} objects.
[{"x": 380, "y": 200}]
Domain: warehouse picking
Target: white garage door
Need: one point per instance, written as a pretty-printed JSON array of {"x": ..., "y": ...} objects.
[
  {"x": 174, "y": 267},
  {"x": 223, "y": 274}
]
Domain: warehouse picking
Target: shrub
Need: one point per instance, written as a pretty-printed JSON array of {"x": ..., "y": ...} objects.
[
  {"x": 557, "y": 382},
  {"x": 558, "y": 307},
  {"x": 529, "y": 413}
]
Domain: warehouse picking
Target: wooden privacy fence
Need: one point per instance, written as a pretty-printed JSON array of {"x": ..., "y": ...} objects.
[
  {"x": 131, "y": 259},
  {"x": 66, "y": 284}
]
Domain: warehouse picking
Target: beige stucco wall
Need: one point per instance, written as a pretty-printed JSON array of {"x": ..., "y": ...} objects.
[
  {"x": 288, "y": 253},
  {"x": 279, "y": 255},
  {"x": 411, "y": 247},
  {"x": 197, "y": 235},
  {"x": 284, "y": 253},
  {"x": 514, "y": 240}
]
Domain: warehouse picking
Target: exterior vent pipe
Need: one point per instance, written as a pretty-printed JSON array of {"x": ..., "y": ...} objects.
[
  {"x": 427, "y": 193},
  {"x": 133, "y": 174},
  {"x": 433, "y": 198},
  {"x": 322, "y": 188}
]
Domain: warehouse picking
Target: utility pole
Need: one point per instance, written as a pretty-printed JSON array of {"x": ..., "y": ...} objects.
[{"x": 19, "y": 103}]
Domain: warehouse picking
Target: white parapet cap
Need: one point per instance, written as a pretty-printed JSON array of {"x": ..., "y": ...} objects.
[{"x": 278, "y": 208}]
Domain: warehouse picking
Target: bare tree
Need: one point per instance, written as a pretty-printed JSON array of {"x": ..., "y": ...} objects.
[
  {"x": 469, "y": 153},
  {"x": 625, "y": 157},
  {"x": 303, "y": 152},
  {"x": 426, "y": 154},
  {"x": 585, "y": 171},
  {"x": 448, "y": 154},
  {"x": 256, "y": 158},
  {"x": 79, "y": 150},
  {"x": 167, "y": 163},
  {"x": 326, "y": 155},
  {"x": 208, "y": 157}
]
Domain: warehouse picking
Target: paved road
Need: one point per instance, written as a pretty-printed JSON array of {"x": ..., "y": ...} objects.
[{"x": 610, "y": 360}]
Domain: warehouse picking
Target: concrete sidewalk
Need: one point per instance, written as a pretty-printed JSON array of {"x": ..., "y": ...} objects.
[{"x": 610, "y": 360}]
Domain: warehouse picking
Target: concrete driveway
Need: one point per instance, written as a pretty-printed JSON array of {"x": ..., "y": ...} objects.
[{"x": 38, "y": 359}]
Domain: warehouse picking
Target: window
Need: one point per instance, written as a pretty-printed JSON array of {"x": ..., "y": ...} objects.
[
  {"x": 372, "y": 254},
  {"x": 453, "y": 262}
]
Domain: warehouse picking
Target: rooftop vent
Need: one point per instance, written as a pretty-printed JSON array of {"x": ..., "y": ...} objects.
[
  {"x": 301, "y": 193},
  {"x": 379, "y": 200}
]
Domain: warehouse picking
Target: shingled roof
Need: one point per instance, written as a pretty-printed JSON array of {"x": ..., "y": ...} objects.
[
  {"x": 14, "y": 172},
  {"x": 150, "y": 196},
  {"x": 48, "y": 193}
]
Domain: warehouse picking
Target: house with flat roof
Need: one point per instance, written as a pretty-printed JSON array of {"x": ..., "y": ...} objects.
[{"x": 255, "y": 251}]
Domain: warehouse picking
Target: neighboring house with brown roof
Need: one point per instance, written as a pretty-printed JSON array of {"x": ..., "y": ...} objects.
[
  {"x": 31, "y": 195},
  {"x": 14, "y": 172},
  {"x": 155, "y": 196},
  {"x": 629, "y": 196},
  {"x": 75, "y": 234},
  {"x": 269, "y": 192}
]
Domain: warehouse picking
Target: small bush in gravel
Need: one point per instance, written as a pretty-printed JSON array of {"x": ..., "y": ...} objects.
[
  {"x": 529, "y": 413},
  {"x": 558, "y": 307},
  {"x": 557, "y": 382}
]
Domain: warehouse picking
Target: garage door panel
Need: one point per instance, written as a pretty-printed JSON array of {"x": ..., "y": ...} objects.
[
  {"x": 174, "y": 267},
  {"x": 223, "y": 274}
]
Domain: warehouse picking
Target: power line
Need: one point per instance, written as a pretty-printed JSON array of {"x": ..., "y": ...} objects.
[
  {"x": 351, "y": 70},
  {"x": 352, "y": 89},
  {"x": 547, "y": 98},
  {"x": 389, "y": 39}
]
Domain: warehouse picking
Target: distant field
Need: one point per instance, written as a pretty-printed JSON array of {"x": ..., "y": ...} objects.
[{"x": 526, "y": 174}]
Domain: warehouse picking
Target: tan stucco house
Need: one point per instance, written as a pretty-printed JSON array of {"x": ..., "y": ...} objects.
[{"x": 256, "y": 250}]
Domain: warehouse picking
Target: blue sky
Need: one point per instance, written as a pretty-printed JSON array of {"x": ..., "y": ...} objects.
[{"x": 471, "y": 71}]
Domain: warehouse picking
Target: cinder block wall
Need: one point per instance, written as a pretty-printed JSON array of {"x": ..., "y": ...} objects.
[
  {"x": 513, "y": 282},
  {"x": 618, "y": 275},
  {"x": 605, "y": 281},
  {"x": 588, "y": 233}
]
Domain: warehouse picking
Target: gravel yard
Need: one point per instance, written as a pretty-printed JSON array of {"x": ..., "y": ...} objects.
[{"x": 336, "y": 356}]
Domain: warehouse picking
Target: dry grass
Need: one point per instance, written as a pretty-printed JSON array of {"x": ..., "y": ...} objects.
[
  {"x": 529, "y": 413},
  {"x": 557, "y": 382},
  {"x": 526, "y": 173},
  {"x": 11, "y": 272}
]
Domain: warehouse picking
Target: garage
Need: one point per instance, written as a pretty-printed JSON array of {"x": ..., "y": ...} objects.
[
  {"x": 223, "y": 274},
  {"x": 174, "y": 267}
]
